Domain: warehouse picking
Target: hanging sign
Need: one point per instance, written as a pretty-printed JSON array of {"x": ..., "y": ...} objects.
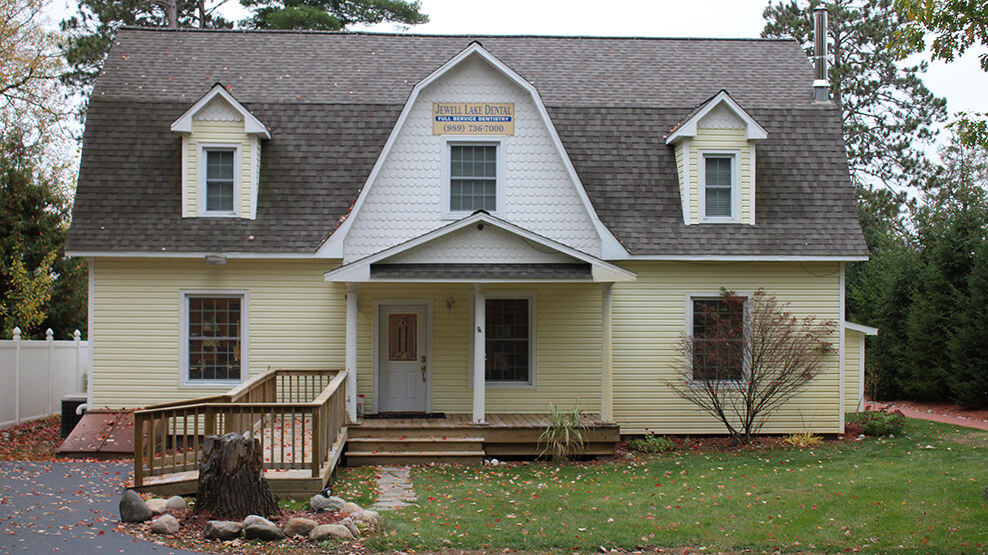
[{"x": 467, "y": 118}]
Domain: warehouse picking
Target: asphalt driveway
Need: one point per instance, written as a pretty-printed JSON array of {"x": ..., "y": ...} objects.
[{"x": 67, "y": 507}]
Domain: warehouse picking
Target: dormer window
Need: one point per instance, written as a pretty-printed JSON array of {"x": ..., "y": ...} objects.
[
  {"x": 221, "y": 153},
  {"x": 472, "y": 178},
  {"x": 715, "y": 156},
  {"x": 219, "y": 181},
  {"x": 720, "y": 196}
]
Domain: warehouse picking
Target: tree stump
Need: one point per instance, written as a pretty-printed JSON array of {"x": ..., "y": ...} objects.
[{"x": 231, "y": 478}]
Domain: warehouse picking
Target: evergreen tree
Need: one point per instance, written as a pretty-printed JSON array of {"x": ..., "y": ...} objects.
[
  {"x": 330, "y": 15},
  {"x": 888, "y": 113},
  {"x": 968, "y": 380}
]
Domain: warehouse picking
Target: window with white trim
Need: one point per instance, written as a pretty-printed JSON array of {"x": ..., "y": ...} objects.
[
  {"x": 214, "y": 337},
  {"x": 472, "y": 177},
  {"x": 717, "y": 328},
  {"x": 720, "y": 192},
  {"x": 218, "y": 181},
  {"x": 510, "y": 340}
]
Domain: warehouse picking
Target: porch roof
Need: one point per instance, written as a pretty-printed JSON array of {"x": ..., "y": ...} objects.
[{"x": 483, "y": 258}]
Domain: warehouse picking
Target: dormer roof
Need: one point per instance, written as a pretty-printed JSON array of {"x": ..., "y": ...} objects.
[
  {"x": 219, "y": 100},
  {"x": 688, "y": 127}
]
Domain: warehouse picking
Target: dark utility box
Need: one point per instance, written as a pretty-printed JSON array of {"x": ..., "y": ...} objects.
[{"x": 69, "y": 417}]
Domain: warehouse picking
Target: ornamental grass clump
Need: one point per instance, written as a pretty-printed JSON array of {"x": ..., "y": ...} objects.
[
  {"x": 564, "y": 434},
  {"x": 803, "y": 439}
]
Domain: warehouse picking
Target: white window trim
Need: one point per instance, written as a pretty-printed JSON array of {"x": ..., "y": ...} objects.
[
  {"x": 710, "y": 296},
  {"x": 735, "y": 156},
  {"x": 532, "y": 382},
  {"x": 201, "y": 180},
  {"x": 458, "y": 140},
  {"x": 183, "y": 348}
]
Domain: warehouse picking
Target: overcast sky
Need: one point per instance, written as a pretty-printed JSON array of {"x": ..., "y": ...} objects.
[{"x": 962, "y": 82}]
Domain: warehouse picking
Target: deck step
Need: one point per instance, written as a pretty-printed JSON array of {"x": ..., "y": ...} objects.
[
  {"x": 401, "y": 457},
  {"x": 402, "y": 443}
]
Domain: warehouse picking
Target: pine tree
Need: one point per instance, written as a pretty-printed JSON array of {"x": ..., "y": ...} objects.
[
  {"x": 330, "y": 15},
  {"x": 888, "y": 113}
]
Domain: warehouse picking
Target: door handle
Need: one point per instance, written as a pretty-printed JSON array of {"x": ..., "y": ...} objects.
[{"x": 423, "y": 372}]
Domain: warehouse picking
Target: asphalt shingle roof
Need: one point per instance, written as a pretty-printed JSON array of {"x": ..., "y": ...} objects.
[{"x": 331, "y": 100}]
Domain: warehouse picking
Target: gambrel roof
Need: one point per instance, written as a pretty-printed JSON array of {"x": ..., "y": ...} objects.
[{"x": 331, "y": 99}]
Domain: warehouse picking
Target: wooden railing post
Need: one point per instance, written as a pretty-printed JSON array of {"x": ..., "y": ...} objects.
[
  {"x": 316, "y": 442},
  {"x": 138, "y": 449},
  {"x": 210, "y": 422}
]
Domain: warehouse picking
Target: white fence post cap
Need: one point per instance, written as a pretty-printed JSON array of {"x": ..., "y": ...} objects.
[
  {"x": 49, "y": 335},
  {"x": 76, "y": 334},
  {"x": 17, "y": 333}
]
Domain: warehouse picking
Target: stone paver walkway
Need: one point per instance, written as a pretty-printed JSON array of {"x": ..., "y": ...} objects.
[
  {"x": 396, "y": 488},
  {"x": 932, "y": 416}
]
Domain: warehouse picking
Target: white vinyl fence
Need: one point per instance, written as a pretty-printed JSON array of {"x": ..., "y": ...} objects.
[{"x": 35, "y": 375}]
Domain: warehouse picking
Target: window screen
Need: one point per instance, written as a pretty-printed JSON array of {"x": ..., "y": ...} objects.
[
  {"x": 473, "y": 178},
  {"x": 718, "y": 176},
  {"x": 219, "y": 181},
  {"x": 214, "y": 338},
  {"x": 508, "y": 339}
]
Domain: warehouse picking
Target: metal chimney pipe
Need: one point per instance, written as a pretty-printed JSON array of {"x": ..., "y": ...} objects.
[{"x": 821, "y": 85}]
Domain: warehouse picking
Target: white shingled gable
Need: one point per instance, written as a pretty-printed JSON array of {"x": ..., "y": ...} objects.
[
  {"x": 406, "y": 194},
  {"x": 715, "y": 108},
  {"x": 219, "y": 105},
  {"x": 479, "y": 239}
]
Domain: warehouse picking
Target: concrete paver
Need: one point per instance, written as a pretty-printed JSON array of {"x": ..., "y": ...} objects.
[{"x": 396, "y": 488}]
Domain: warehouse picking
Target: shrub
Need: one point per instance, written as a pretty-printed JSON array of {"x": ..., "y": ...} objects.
[
  {"x": 652, "y": 443},
  {"x": 878, "y": 423},
  {"x": 852, "y": 429},
  {"x": 803, "y": 439},
  {"x": 563, "y": 435}
]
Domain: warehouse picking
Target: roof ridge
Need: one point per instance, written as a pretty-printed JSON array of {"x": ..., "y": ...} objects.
[{"x": 444, "y": 35}]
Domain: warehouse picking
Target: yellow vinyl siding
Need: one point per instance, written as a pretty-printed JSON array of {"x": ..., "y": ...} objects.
[
  {"x": 852, "y": 369},
  {"x": 650, "y": 320},
  {"x": 295, "y": 320},
  {"x": 567, "y": 328},
  {"x": 719, "y": 139},
  {"x": 218, "y": 132}
]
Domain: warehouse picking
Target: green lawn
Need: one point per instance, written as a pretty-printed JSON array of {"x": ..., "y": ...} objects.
[{"x": 875, "y": 495}]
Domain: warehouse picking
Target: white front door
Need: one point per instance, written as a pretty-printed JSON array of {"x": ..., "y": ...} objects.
[{"x": 403, "y": 364}]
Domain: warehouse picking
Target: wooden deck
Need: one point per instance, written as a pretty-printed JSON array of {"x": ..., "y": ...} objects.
[{"x": 455, "y": 438}]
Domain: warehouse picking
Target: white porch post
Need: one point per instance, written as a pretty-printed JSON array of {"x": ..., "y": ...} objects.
[
  {"x": 606, "y": 358},
  {"x": 479, "y": 352},
  {"x": 351, "y": 351}
]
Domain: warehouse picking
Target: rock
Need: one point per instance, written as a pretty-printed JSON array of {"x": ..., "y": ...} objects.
[
  {"x": 157, "y": 505},
  {"x": 133, "y": 508},
  {"x": 367, "y": 517},
  {"x": 254, "y": 519},
  {"x": 330, "y": 532},
  {"x": 176, "y": 503},
  {"x": 351, "y": 526},
  {"x": 165, "y": 524},
  {"x": 320, "y": 503},
  {"x": 300, "y": 527},
  {"x": 263, "y": 532},
  {"x": 222, "y": 530},
  {"x": 350, "y": 508}
]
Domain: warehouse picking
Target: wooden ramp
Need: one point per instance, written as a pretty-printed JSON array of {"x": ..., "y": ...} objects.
[{"x": 101, "y": 434}]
